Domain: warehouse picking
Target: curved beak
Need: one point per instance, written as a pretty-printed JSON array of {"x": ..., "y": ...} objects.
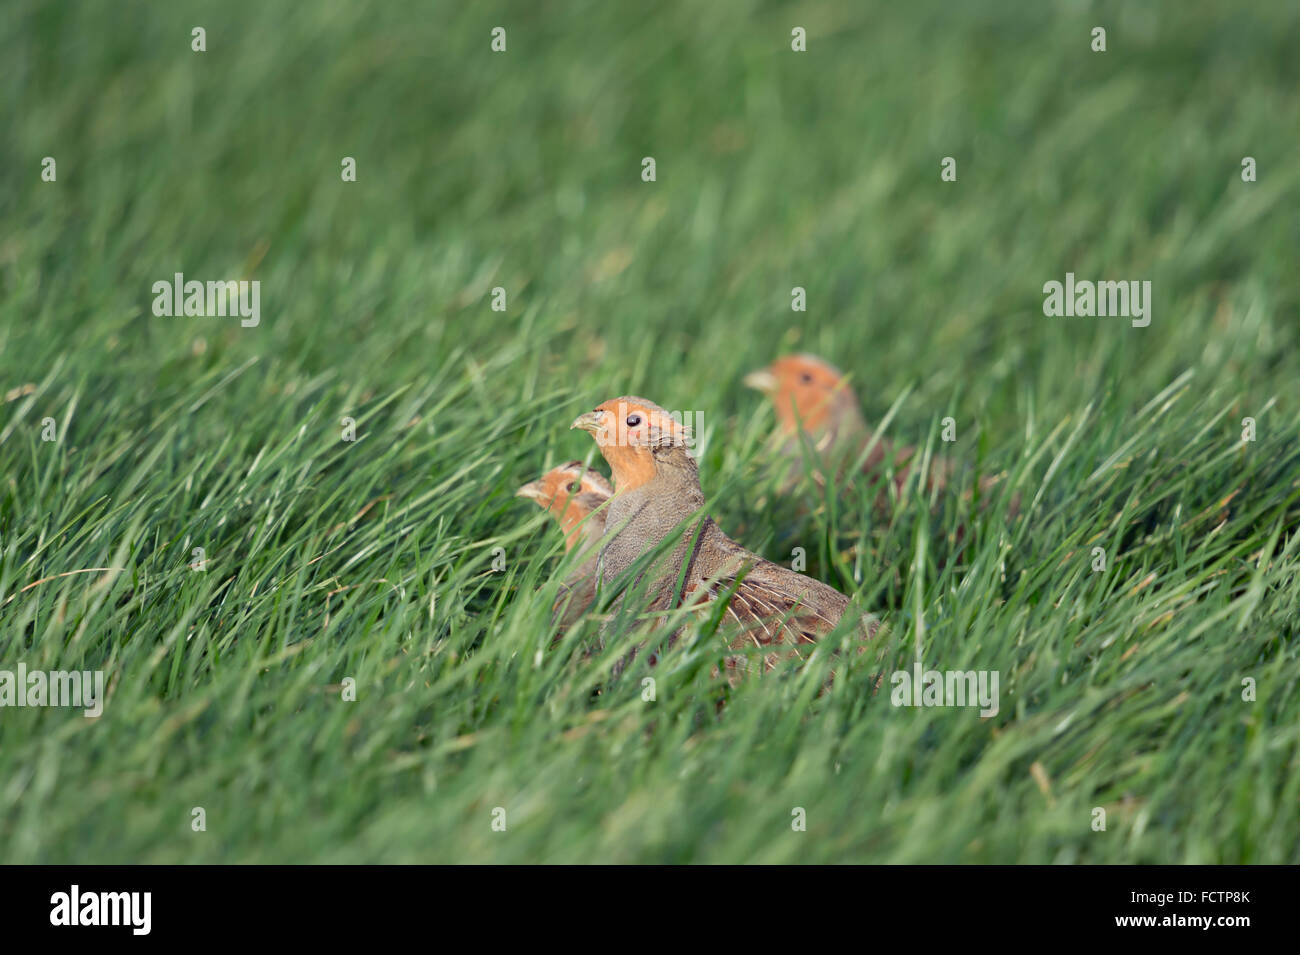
[
  {"x": 761, "y": 380},
  {"x": 592, "y": 421},
  {"x": 532, "y": 490}
]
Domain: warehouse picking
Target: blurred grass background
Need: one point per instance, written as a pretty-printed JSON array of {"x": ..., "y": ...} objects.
[{"x": 775, "y": 169}]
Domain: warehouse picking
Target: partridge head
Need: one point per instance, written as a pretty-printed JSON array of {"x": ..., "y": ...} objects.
[{"x": 571, "y": 493}]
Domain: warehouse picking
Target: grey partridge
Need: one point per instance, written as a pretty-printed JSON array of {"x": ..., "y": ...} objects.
[
  {"x": 657, "y": 496},
  {"x": 573, "y": 495}
]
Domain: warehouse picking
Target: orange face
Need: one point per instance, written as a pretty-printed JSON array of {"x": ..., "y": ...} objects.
[
  {"x": 804, "y": 389},
  {"x": 568, "y": 492},
  {"x": 628, "y": 431}
]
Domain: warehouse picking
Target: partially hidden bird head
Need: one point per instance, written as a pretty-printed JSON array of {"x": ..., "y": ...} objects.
[
  {"x": 639, "y": 439},
  {"x": 806, "y": 390},
  {"x": 570, "y": 493}
]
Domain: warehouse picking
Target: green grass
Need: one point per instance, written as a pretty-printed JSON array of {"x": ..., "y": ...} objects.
[{"x": 373, "y": 560}]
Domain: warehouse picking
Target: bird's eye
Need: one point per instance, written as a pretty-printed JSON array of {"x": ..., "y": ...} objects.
[
  {"x": 633, "y": 420},
  {"x": 575, "y": 487},
  {"x": 806, "y": 378}
]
